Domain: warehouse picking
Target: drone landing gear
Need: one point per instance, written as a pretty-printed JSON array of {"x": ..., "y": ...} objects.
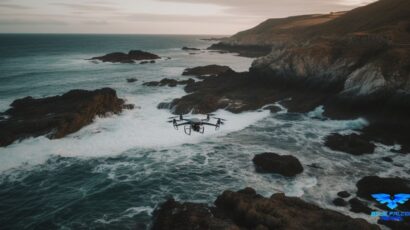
[
  {"x": 202, "y": 130},
  {"x": 187, "y": 129}
]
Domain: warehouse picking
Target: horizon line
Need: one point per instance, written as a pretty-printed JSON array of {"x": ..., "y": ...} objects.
[{"x": 63, "y": 33}]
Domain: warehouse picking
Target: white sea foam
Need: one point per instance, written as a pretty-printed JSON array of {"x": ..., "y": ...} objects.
[{"x": 139, "y": 128}]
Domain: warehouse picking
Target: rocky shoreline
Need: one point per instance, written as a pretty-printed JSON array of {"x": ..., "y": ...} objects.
[{"x": 246, "y": 209}]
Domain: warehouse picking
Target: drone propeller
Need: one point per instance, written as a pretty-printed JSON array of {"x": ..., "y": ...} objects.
[{"x": 220, "y": 122}]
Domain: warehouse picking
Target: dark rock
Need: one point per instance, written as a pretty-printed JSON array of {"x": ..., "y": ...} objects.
[
  {"x": 57, "y": 116},
  {"x": 373, "y": 184},
  {"x": 246, "y": 209},
  {"x": 164, "y": 105},
  {"x": 187, "y": 216},
  {"x": 358, "y": 206},
  {"x": 190, "y": 49},
  {"x": 131, "y": 80},
  {"x": 339, "y": 202},
  {"x": 286, "y": 165},
  {"x": 387, "y": 159},
  {"x": 343, "y": 194},
  {"x": 131, "y": 57},
  {"x": 353, "y": 144},
  {"x": 206, "y": 71},
  {"x": 169, "y": 82}
]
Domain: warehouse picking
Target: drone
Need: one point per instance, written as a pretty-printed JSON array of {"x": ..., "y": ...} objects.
[{"x": 195, "y": 124}]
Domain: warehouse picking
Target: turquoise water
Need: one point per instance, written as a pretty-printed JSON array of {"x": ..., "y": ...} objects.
[{"x": 113, "y": 173}]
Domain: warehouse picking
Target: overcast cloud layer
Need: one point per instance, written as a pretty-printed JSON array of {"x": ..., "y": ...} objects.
[{"x": 154, "y": 16}]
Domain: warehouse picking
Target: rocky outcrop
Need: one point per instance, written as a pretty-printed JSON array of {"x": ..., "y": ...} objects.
[
  {"x": 353, "y": 144},
  {"x": 246, "y": 209},
  {"x": 170, "y": 82},
  {"x": 57, "y": 116},
  {"x": 285, "y": 165},
  {"x": 131, "y": 57},
  {"x": 190, "y": 49},
  {"x": 207, "y": 71}
]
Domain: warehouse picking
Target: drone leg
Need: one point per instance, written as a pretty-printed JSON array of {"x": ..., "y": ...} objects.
[
  {"x": 187, "y": 130},
  {"x": 202, "y": 130}
]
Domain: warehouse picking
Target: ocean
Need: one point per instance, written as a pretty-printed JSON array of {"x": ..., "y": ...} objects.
[{"x": 113, "y": 173}]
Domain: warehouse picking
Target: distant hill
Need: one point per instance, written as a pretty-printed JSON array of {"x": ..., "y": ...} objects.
[{"x": 387, "y": 17}]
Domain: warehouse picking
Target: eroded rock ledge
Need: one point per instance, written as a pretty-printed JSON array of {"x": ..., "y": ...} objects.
[
  {"x": 246, "y": 209},
  {"x": 57, "y": 116},
  {"x": 131, "y": 57}
]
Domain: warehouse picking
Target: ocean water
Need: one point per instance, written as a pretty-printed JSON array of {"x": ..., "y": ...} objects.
[{"x": 113, "y": 173}]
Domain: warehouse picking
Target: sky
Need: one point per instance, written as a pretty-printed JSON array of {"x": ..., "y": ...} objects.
[{"x": 214, "y": 17}]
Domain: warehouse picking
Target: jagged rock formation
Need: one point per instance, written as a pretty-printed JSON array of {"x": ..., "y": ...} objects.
[
  {"x": 57, "y": 116},
  {"x": 246, "y": 209}
]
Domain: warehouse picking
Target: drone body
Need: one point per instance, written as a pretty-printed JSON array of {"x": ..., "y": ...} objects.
[{"x": 195, "y": 124}]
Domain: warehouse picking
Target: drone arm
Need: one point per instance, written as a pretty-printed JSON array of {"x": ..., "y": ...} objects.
[
  {"x": 185, "y": 123},
  {"x": 206, "y": 123}
]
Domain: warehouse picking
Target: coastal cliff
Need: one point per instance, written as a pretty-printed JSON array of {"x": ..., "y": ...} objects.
[
  {"x": 361, "y": 53},
  {"x": 354, "y": 64}
]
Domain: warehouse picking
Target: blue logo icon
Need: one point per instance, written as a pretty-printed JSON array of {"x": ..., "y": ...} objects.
[{"x": 391, "y": 201}]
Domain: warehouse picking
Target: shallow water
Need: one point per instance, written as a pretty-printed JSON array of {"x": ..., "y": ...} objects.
[{"x": 113, "y": 173}]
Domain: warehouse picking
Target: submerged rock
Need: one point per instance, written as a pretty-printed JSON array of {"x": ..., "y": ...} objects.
[
  {"x": 57, "y": 116},
  {"x": 285, "y": 165},
  {"x": 131, "y": 57},
  {"x": 246, "y": 209},
  {"x": 359, "y": 206},
  {"x": 343, "y": 194},
  {"x": 353, "y": 144},
  {"x": 339, "y": 202},
  {"x": 131, "y": 80}
]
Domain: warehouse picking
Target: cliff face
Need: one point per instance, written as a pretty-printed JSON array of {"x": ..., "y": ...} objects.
[{"x": 360, "y": 53}]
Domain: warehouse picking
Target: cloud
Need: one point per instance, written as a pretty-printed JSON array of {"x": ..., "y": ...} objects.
[
  {"x": 279, "y": 8},
  {"x": 14, "y": 6},
  {"x": 31, "y": 22},
  {"x": 87, "y": 7}
]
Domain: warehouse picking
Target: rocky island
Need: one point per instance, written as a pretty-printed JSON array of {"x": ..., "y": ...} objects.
[{"x": 130, "y": 57}]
